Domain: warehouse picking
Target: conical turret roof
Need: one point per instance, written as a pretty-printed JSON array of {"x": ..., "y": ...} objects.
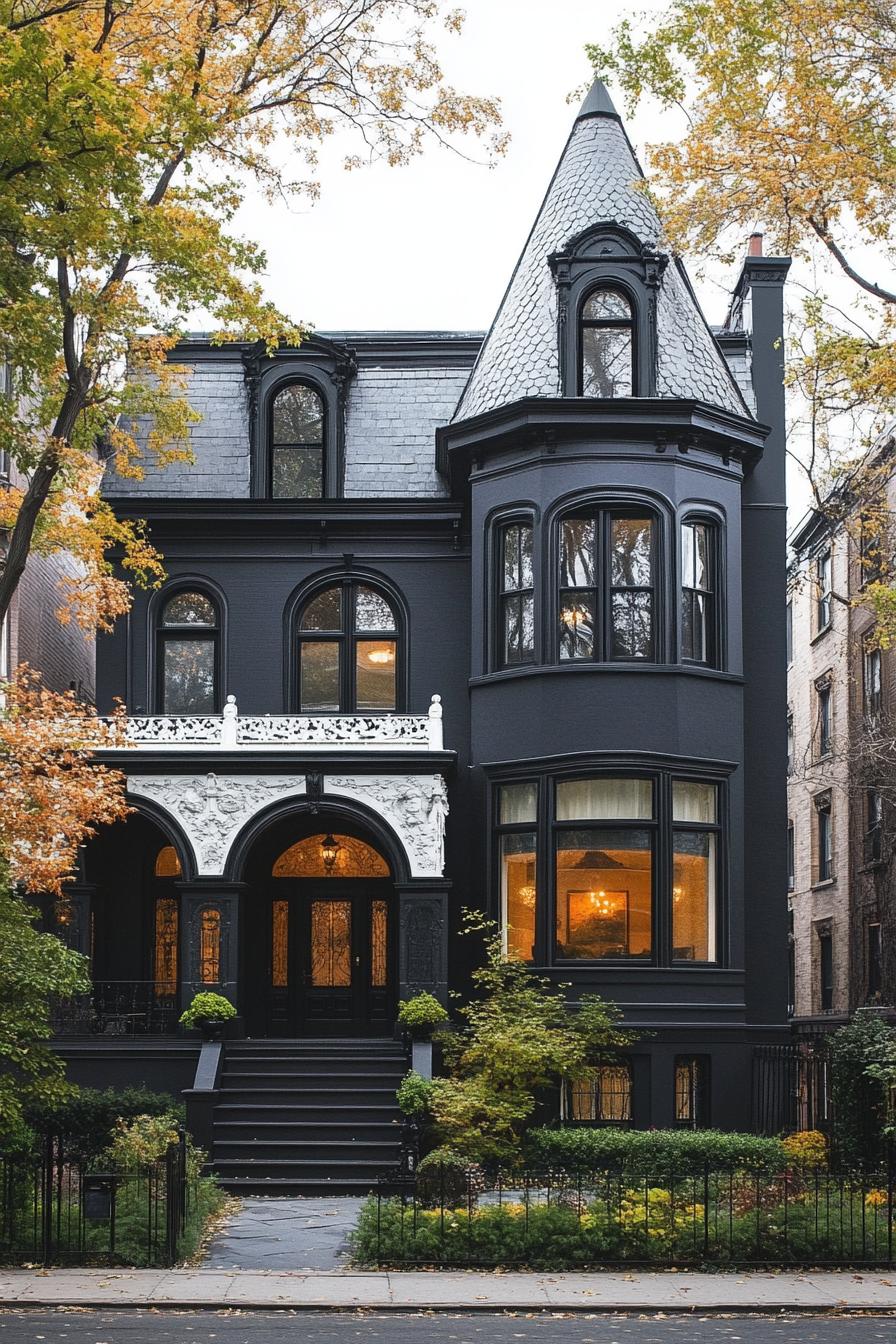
[{"x": 595, "y": 182}]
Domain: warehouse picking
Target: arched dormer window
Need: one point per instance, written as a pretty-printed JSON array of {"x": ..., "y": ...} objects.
[
  {"x": 348, "y": 654},
  {"x": 297, "y": 457},
  {"x": 608, "y": 585},
  {"x": 188, "y": 657},
  {"x": 607, "y": 345},
  {"x": 607, "y": 282}
]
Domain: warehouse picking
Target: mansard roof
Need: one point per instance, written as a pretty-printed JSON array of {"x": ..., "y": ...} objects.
[{"x": 594, "y": 183}]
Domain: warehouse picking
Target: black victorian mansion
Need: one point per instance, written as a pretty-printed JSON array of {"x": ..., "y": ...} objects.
[{"x": 461, "y": 621}]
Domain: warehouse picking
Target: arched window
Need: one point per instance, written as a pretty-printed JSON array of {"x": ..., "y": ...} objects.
[
  {"x": 608, "y": 585},
  {"x": 188, "y": 655},
  {"x": 348, "y": 651},
  {"x": 297, "y": 443},
  {"x": 699, "y": 592},
  {"x": 607, "y": 345}
]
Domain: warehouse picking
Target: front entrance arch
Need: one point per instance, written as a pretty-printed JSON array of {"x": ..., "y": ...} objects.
[{"x": 319, "y": 931}]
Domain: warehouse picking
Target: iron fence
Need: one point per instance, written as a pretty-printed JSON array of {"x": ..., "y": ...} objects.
[
  {"x": 792, "y": 1087},
  {"x": 117, "y": 1008},
  {"x": 59, "y": 1207},
  {"x": 559, "y": 1220}
]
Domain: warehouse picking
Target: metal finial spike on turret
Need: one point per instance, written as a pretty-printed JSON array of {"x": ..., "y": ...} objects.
[{"x": 598, "y": 102}]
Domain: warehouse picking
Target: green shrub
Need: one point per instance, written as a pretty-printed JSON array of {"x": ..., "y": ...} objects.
[
  {"x": 87, "y": 1120},
  {"x": 860, "y": 1052},
  {"x": 652, "y": 1152},
  {"x": 414, "y": 1094},
  {"x": 516, "y": 1038},
  {"x": 421, "y": 1014},
  {"x": 207, "y": 1007}
]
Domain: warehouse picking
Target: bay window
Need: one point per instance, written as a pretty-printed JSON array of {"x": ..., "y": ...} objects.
[
  {"x": 694, "y": 868},
  {"x": 604, "y": 869},
  {"x": 699, "y": 598},
  {"x": 517, "y": 817},
  {"x": 516, "y": 595},
  {"x": 607, "y": 586},
  {"x": 631, "y": 872}
]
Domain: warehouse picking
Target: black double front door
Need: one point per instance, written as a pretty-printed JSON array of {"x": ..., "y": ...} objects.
[{"x": 330, "y": 961}]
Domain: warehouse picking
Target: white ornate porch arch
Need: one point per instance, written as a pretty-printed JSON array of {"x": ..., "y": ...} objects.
[{"x": 213, "y": 809}]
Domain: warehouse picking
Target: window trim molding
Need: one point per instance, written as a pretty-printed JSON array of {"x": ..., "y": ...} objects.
[
  {"x": 183, "y": 583},
  {"x": 311, "y": 588}
]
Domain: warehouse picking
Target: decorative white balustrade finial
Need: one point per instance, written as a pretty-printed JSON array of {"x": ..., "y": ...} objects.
[
  {"x": 228, "y": 722},
  {"x": 436, "y": 742}
]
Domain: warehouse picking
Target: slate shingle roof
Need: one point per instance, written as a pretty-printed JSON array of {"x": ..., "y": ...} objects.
[{"x": 594, "y": 183}]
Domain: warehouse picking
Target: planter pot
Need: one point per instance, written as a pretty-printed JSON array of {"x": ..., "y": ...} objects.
[{"x": 213, "y": 1028}]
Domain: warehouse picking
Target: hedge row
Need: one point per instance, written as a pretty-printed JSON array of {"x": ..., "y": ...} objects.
[{"x": 651, "y": 1151}]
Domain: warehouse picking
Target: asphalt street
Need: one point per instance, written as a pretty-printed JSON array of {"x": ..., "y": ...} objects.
[{"x": 65, "y": 1326}]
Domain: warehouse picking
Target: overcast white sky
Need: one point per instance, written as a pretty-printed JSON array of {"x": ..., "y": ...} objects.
[{"x": 432, "y": 245}]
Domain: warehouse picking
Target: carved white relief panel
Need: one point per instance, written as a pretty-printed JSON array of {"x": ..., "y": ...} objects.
[
  {"x": 213, "y": 809},
  {"x": 414, "y": 806}
]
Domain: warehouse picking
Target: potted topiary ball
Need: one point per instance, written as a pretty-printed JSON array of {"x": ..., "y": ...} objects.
[
  {"x": 421, "y": 1015},
  {"x": 208, "y": 1012}
]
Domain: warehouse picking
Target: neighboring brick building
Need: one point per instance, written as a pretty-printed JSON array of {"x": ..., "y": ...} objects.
[
  {"x": 32, "y": 632},
  {"x": 840, "y": 687}
]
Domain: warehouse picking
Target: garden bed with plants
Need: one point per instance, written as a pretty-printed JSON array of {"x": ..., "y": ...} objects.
[
  {"x": 104, "y": 1178},
  {"x": 494, "y": 1189},
  {"x": 552, "y": 1220}
]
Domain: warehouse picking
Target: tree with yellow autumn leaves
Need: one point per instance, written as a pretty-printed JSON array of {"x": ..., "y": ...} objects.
[
  {"x": 128, "y": 133},
  {"x": 789, "y": 126}
]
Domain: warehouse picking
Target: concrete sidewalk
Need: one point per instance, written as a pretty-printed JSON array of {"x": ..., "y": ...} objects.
[{"x": 471, "y": 1291}]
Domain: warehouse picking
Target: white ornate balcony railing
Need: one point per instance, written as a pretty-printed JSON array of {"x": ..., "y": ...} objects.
[{"x": 231, "y": 731}]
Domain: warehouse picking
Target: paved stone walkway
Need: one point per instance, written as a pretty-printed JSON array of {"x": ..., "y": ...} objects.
[
  {"x": 285, "y": 1234},
  {"x": 464, "y": 1292}
]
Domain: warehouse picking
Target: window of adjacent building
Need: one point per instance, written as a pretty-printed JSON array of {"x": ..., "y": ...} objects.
[
  {"x": 823, "y": 738},
  {"x": 870, "y": 552},
  {"x": 873, "y": 825},
  {"x": 873, "y": 963},
  {"x": 825, "y": 970},
  {"x": 188, "y": 654},
  {"x": 699, "y": 615},
  {"x": 604, "y": 868},
  {"x": 517, "y": 817},
  {"x": 823, "y": 596},
  {"x": 606, "y": 1097},
  {"x": 607, "y": 337},
  {"x": 297, "y": 443},
  {"x": 871, "y": 682},
  {"x": 516, "y": 595},
  {"x": 348, "y": 651},
  {"x": 692, "y": 1091},
  {"x": 824, "y": 839},
  {"x": 788, "y": 630},
  {"x": 790, "y": 745},
  {"x": 791, "y": 856},
  {"x": 607, "y": 586}
]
